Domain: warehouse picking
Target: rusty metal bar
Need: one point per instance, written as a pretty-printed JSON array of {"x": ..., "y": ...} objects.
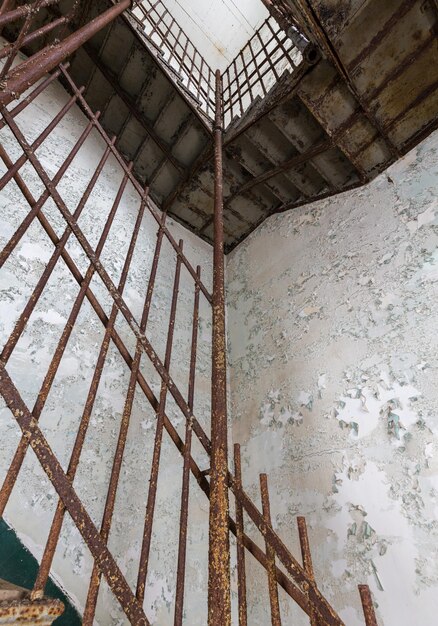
[
  {"x": 219, "y": 599},
  {"x": 34, "y": 94},
  {"x": 39, "y": 140},
  {"x": 270, "y": 555},
  {"x": 307, "y": 561},
  {"x": 155, "y": 463},
  {"x": 34, "y": 68},
  {"x": 55, "y": 530},
  {"x": 20, "y": 12},
  {"x": 136, "y": 184},
  {"x": 182, "y": 542},
  {"x": 37, "y": 205},
  {"x": 34, "y": 8},
  {"x": 241, "y": 574},
  {"x": 76, "y": 509},
  {"x": 367, "y": 605},
  {"x": 93, "y": 591},
  {"x": 36, "y": 34},
  {"x": 40, "y": 402}
]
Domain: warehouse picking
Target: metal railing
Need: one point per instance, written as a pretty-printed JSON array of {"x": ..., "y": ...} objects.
[
  {"x": 161, "y": 28},
  {"x": 20, "y": 168},
  {"x": 257, "y": 67}
]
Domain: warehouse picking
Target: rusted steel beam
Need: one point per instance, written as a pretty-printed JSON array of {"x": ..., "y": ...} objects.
[
  {"x": 240, "y": 547},
  {"x": 27, "y": 73},
  {"x": 182, "y": 541},
  {"x": 270, "y": 555},
  {"x": 9, "y": 15},
  {"x": 430, "y": 89},
  {"x": 305, "y": 9},
  {"x": 155, "y": 462},
  {"x": 136, "y": 184},
  {"x": 52, "y": 541},
  {"x": 25, "y": 612},
  {"x": 333, "y": 135},
  {"x": 367, "y": 605},
  {"x": 76, "y": 509},
  {"x": 35, "y": 34},
  {"x": 380, "y": 35},
  {"x": 219, "y": 597},
  {"x": 307, "y": 562}
]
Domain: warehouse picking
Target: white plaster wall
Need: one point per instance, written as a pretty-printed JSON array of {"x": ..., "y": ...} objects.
[
  {"x": 33, "y": 500},
  {"x": 219, "y": 29},
  {"x": 332, "y": 313}
]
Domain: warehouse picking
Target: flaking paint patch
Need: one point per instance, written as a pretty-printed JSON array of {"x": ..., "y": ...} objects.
[{"x": 332, "y": 312}]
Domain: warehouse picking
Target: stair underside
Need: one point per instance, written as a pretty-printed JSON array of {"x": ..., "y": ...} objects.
[{"x": 316, "y": 134}]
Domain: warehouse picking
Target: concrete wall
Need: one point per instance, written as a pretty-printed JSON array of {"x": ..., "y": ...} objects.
[
  {"x": 332, "y": 312},
  {"x": 33, "y": 501}
]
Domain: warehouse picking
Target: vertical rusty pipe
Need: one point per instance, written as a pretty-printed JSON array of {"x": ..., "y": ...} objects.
[
  {"x": 307, "y": 562},
  {"x": 270, "y": 555},
  {"x": 156, "y": 454},
  {"x": 28, "y": 72},
  {"x": 219, "y": 600},
  {"x": 241, "y": 575},
  {"x": 367, "y": 605}
]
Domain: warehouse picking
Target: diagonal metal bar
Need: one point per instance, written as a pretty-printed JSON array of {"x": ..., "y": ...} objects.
[
  {"x": 270, "y": 555},
  {"x": 38, "y": 141},
  {"x": 182, "y": 542},
  {"x": 134, "y": 181},
  {"x": 76, "y": 509},
  {"x": 22, "y": 448},
  {"x": 155, "y": 464},
  {"x": 241, "y": 574},
  {"x": 37, "y": 205},
  {"x": 307, "y": 560},
  {"x": 49, "y": 551}
]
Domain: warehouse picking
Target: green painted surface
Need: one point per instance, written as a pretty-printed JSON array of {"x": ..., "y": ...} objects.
[{"x": 18, "y": 566}]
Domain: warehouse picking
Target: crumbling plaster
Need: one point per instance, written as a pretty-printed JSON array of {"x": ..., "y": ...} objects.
[{"x": 332, "y": 323}]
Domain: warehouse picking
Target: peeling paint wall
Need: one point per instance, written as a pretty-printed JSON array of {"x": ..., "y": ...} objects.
[
  {"x": 332, "y": 321},
  {"x": 33, "y": 500}
]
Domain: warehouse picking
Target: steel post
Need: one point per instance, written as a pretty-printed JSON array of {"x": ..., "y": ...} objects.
[{"x": 219, "y": 602}]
